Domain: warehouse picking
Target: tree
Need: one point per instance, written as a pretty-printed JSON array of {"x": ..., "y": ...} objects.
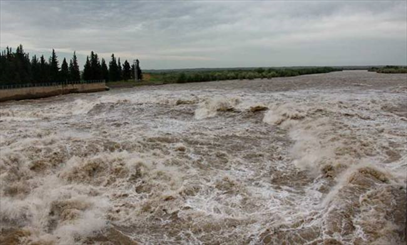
[
  {"x": 6, "y": 69},
  {"x": 70, "y": 69},
  {"x": 120, "y": 72},
  {"x": 17, "y": 67},
  {"x": 87, "y": 75},
  {"x": 3, "y": 67},
  {"x": 95, "y": 67},
  {"x": 23, "y": 65},
  {"x": 105, "y": 71},
  {"x": 64, "y": 73},
  {"x": 139, "y": 74},
  {"x": 182, "y": 78},
  {"x": 44, "y": 70},
  {"x": 74, "y": 73},
  {"x": 35, "y": 70},
  {"x": 126, "y": 70},
  {"x": 113, "y": 70},
  {"x": 133, "y": 71},
  {"x": 54, "y": 68},
  {"x": 260, "y": 70}
]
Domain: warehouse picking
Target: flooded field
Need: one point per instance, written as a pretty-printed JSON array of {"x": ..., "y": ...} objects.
[{"x": 317, "y": 159}]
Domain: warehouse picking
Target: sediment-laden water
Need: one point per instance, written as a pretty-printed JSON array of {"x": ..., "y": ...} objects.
[{"x": 319, "y": 159}]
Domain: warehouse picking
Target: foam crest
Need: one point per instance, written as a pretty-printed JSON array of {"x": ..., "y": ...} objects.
[{"x": 210, "y": 107}]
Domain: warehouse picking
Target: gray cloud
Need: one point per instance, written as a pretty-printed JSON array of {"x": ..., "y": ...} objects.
[{"x": 177, "y": 34}]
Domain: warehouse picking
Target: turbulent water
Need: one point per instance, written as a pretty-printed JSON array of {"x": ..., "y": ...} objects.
[{"x": 318, "y": 159}]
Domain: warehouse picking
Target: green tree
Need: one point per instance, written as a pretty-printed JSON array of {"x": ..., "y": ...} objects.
[
  {"x": 44, "y": 70},
  {"x": 64, "y": 73},
  {"x": 70, "y": 69},
  {"x": 120, "y": 72},
  {"x": 22, "y": 65},
  {"x": 260, "y": 70},
  {"x": 7, "y": 70},
  {"x": 95, "y": 67},
  {"x": 35, "y": 69},
  {"x": 74, "y": 72},
  {"x": 113, "y": 70},
  {"x": 182, "y": 78},
  {"x": 105, "y": 71},
  {"x": 87, "y": 75},
  {"x": 133, "y": 71},
  {"x": 126, "y": 70},
  {"x": 54, "y": 67}
]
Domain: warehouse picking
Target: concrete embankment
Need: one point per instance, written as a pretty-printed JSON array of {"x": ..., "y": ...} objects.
[{"x": 47, "y": 91}]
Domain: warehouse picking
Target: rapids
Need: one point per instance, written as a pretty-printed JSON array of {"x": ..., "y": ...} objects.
[{"x": 317, "y": 159}]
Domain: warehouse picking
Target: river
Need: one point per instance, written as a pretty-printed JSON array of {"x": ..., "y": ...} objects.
[{"x": 315, "y": 159}]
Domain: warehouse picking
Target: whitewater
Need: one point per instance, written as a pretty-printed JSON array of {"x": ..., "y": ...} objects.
[{"x": 315, "y": 159}]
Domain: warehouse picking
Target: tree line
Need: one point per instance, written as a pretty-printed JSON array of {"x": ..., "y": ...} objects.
[
  {"x": 17, "y": 67},
  {"x": 249, "y": 74},
  {"x": 389, "y": 69}
]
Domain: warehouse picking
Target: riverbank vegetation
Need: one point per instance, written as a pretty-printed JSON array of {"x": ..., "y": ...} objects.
[
  {"x": 16, "y": 67},
  {"x": 389, "y": 69},
  {"x": 238, "y": 74}
]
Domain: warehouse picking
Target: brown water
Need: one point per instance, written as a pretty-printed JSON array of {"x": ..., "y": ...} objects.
[{"x": 318, "y": 159}]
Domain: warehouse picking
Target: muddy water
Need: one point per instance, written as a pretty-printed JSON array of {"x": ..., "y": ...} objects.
[{"x": 317, "y": 159}]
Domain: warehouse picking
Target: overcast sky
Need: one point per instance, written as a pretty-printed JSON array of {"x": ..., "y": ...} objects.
[{"x": 188, "y": 34}]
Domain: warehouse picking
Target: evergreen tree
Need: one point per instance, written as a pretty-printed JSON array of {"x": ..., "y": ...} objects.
[
  {"x": 87, "y": 75},
  {"x": 126, "y": 70},
  {"x": 6, "y": 69},
  {"x": 139, "y": 74},
  {"x": 113, "y": 70},
  {"x": 64, "y": 73},
  {"x": 17, "y": 67},
  {"x": 70, "y": 69},
  {"x": 8, "y": 53},
  {"x": 96, "y": 68},
  {"x": 17, "y": 64},
  {"x": 12, "y": 66},
  {"x": 91, "y": 67},
  {"x": 54, "y": 68},
  {"x": 74, "y": 72},
  {"x": 120, "y": 72},
  {"x": 3, "y": 64},
  {"x": 21, "y": 66},
  {"x": 35, "y": 69},
  {"x": 44, "y": 70},
  {"x": 133, "y": 71},
  {"x": 105, "y": 71}
]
